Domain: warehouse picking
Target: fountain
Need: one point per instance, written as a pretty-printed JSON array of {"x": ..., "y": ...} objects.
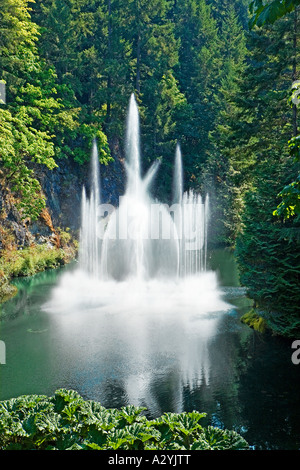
[
  {"x": 141, "y": 305},
  {"x": 143, "y": 238}
]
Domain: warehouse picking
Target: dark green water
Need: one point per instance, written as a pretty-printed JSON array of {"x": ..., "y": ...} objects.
[{"x": 242, "y": 379}]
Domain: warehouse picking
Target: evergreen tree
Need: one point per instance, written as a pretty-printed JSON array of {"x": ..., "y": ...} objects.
[
  {"x": 268, "y": 253},
  {"x": 148, "y": 31},
  {"x": 198, "y": 75},
  {"x": 267, "y": 248},
  {"x": 73, "y": 42},
  {"x": 216, "y": 177},
  {"x": 220, "y": 9}
]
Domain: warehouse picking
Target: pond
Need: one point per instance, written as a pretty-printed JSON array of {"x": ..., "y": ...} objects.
[{"x": 152, "y": 356}]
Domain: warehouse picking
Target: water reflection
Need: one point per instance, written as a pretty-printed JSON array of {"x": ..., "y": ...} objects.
[{"x": 137, "y": 334}]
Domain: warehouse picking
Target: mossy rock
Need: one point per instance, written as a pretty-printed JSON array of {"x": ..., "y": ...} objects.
[
  {"x": 253, "y": 320},
  {"x": 7, "y": 291}
]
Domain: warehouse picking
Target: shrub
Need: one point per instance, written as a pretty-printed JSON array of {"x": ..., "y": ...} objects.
[{"x": 66, "y": 421}]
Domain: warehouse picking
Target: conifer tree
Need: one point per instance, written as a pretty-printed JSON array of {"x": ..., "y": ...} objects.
[
  {"x": 198, "y": 76},
  {"x": 149, "y": 32},
  {"x": 216, "y": 177},
  {"x": 267, "y": 248},
  {"x": 73, "y": 42}
]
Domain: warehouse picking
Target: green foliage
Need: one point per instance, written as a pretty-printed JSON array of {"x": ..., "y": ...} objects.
[
  {"x": 256, "y": 121},
  {"x": 290, "y": 194},
  {"x": 41, "y": 121},
  {"x": 66, "y": 421},
  {"x": 251, "y": 164},
  {"x": 171, "y": 55},
  {"x": 265, "y": 14},
  {"x": 21, "y": 144},
  {"x": 269, "y": 12},
  {"x": 269, "y": 256},
  {"x": 198, "y": 72},
  {"x": 72, "y": 41},
  {"x": 219, "y": 177},
  {"x": 25, "y": 138},
  {"x": 290, "y": 205},
  {"x": 70, "y": 68}
]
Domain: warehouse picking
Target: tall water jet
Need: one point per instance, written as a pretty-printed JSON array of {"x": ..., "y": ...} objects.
[
  {"x": 89, "y": 260},
  {"x": 133, "y": 147},
  {"x": 177, "y": 202},
  {"x": 178, "y": 177},
  {"x": 192, "y": 217},
  {"x": 134, "y": 244},
  {"x": 195, "y": 215}
]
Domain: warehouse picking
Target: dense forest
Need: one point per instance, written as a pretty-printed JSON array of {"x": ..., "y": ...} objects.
[{"x": 216, "y": 76}]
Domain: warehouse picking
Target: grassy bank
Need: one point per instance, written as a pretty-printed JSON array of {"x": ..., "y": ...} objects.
[{"x": 33, "y": 259}]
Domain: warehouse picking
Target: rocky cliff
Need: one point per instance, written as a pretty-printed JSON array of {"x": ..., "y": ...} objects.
[
  {"x": 28, "y": 246},
  {"x": 62, "y": 188}
]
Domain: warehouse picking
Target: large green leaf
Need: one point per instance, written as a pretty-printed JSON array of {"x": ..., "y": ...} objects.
[
  {"x": 268, "y": 13},
  {"x": 219, "y": 439},
  {"x": 88, "y": 425},
  {"x": 143, "y": 432},
  {"x": 63, "y": 397},
  {"x": 119, "y": 437},
  {"x": 131, "y": 413}
]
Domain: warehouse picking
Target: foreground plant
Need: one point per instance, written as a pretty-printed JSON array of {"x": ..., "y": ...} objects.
[{"x": 66, "y": 421}]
